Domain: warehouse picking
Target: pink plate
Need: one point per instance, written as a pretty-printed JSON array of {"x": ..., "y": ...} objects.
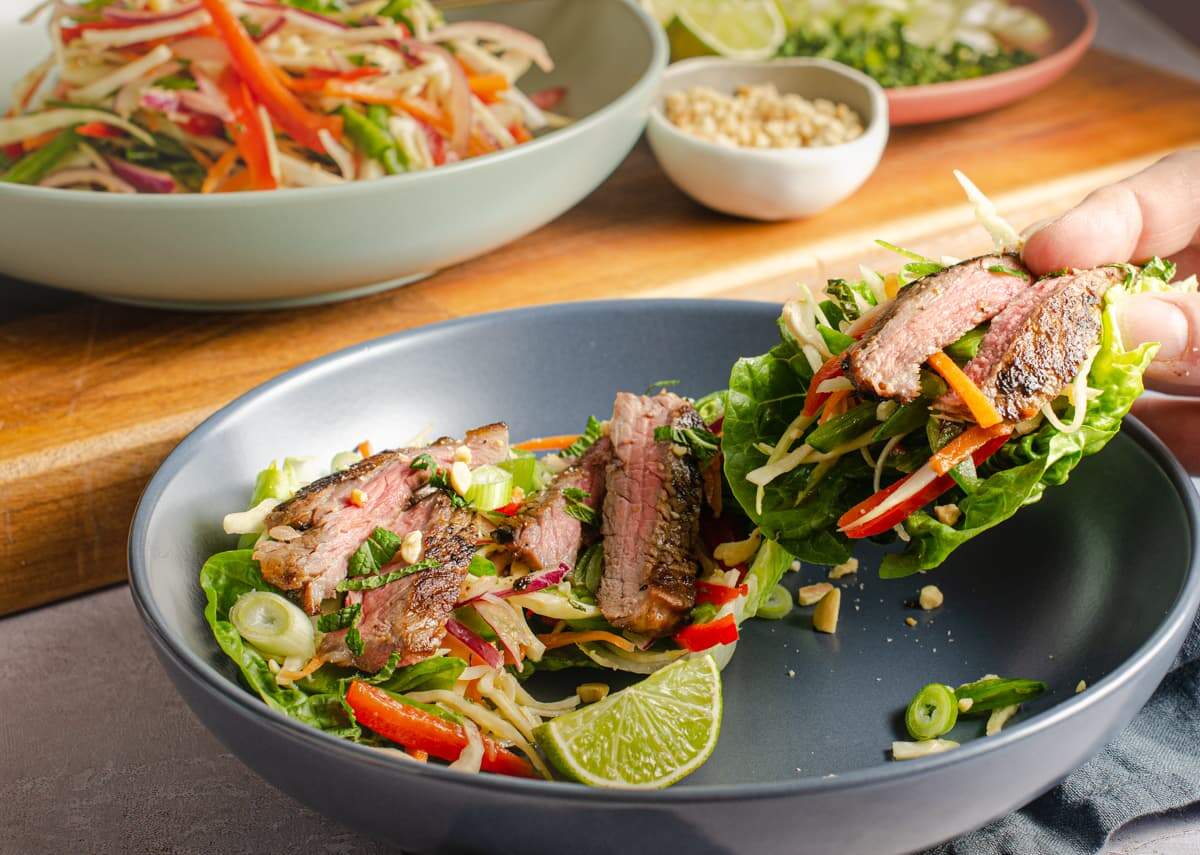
[{"x": 1073, "y": 23}]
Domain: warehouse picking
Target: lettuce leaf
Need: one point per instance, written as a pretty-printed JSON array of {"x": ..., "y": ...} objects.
[{"x": 1043, "y": 458}]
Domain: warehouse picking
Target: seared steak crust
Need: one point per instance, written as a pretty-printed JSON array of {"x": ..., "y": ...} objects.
[
  {"x": 927, "y": 315},
  {"x": 1037, "y": 344},
  {"x": 651, "y": 517},
  {"x": 332, "y": 527},
  {"x": 409, "y": 615},
  {"x": 545, "y": 535}
]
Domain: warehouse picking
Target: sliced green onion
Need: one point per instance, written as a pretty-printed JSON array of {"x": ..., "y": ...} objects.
[
  {"x": 524, "y": 471},
  {"x": 932, "y": 712},
  {"x": 491, "y": 488},
  {"x": 778, "y": 604},
  {"x": 994, "y": 692},
  {"x": 274, "y": 625}
]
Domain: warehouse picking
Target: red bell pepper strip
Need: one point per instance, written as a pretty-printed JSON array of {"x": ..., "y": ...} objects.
[
  {"x": 247, "y": 131},
  {"x": 418, "y": 730},
  {"x": 894, "y": 516},
  {"x": 702, "y": 636},
  {"x": 262, "y": 77},
  {"x": 99, "y": 130},
  {"x": 814, "y": 399},
  {"x": 719, "y": 595},
  {"x": 509, "y": 510}
]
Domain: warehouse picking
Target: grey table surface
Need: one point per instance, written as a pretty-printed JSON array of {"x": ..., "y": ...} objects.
[{"x": 99, "y": 755}]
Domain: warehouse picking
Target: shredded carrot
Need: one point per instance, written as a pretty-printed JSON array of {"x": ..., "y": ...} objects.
[
  {"x": 310, "y": 667},
  {"x": 562, "y": 639},
  {"x": 418, "y": 755},
  {"x": 834, "y": 404},
  {"x": 487, "y": 84},
  {"x": 36, "y": 142},
  {"x": 364, "y": 448},
  {"x": 967, "y": 442},
  {"x": 891, "y": 285},
  {"x": 242, "y": 181},
  {"x": 520, "y": 134},
  {"x": 547, "y": 443},
  {"x": 219, "y": 170},
  {"x": 472, "y": 692},
  {"x": 981, "y": 408},
  {"x": 460, "y": 650}
]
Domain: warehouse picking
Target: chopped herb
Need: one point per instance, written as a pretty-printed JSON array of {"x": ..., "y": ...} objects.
[
  {"x": 591, "y": 433},
  {"x": 920, "y": 269},
  {"x": 1006, "y": 270},
  {"x": 375, "y": 552},
  {"x": 441, "y": 481},
  {"x": 424, "y": 461},
  {"x": 852, "y": 298},
  {"x": 700, "y": 441},
  {"x": 176, "y": 81},
  {"x": 480, "y": 566},
  {"x": 588, "y": 569},
  {"x": 660, "y": 385},
  {"x": 354, "y": 641},
  {"x": 251, "y": 27},
  {"x": 907, "y": 253},
  {"x": 576, "y": 507},
  {"x": 342, "y": 618},
  {"x": 370, "y": 583}
]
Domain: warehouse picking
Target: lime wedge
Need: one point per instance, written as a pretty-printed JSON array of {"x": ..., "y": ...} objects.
[
  {"x": 660, "y": 10},
  {"x": 645, "y": 737},
  {"x": 796, "y": 13},
  {"x": 737, "y": 29}
]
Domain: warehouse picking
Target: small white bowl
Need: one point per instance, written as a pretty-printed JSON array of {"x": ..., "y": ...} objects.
[{"x": 771, "y": 183}]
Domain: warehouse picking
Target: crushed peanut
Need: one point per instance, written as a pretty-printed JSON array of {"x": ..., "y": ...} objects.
[
  {"x": 738, "y": 551},
  {"x": 460, "y": 477},
  {"x": 965, "y": 704},
  {"x": 931, "y": 597},
  {"x": 462, "y": 453},
  {"x": 849, "y": 568},
  {"x": 913, "y": 750},
  {"x": 1080, "y": 686},
  {"x": 911, "y": 621},
  {"x": 825, "y": 616},
  {"x": 999, "y": 718},
  {"x": 811, "y": 594},
  {"x": 410, "y": 547},
  {"x": 590, "y": 693},
  {"x": 947, "y": 514},
  {"x": 358, "y": 498},
  {"x": 758, "y": 116},
  {"x": 518, "y": 495}
]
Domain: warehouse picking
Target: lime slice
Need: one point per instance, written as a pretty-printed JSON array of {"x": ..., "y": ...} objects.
[
  {"x": 660, "y": 10},
  {"x": 796, "y": 13},
  {"x": 737, "y": 29},
  {"x": 645, "y": 737}
]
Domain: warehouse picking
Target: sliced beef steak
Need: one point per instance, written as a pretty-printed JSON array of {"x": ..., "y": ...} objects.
[
  {"x": 1037, "y": 344},
  {"x": 409, "y": 615},
  {"x": 651, "y": 517},
  {"x": 927, "y": 315},
  {"x": 331, "y": 527},
  {"x": 545, "y": 534}
]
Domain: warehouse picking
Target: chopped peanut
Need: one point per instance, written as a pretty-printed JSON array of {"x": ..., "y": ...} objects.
[
  {"x": 931, "y": 597},
  {"x": 849, "y": 568},
  {"x": 999, "y": 718},
  {"x": 825, "y": 616},
  {"x": 758, "y": 116},
  {"x": 811, "y": 594},
  {"x": 590, "y": 693},
  {"x": 462, "y": 454},
  {"x": 738, "y": 551},
  {"x": 410, "y": 547},
  {"x": 947, "y": 514},
  {"x": 358, "y": 498},
  {"x": 911, "y": 621},
  {"x": 965, "y": 704},
  {"x": 1080, "y": 686},
  {"x": 460, "y": 477}
]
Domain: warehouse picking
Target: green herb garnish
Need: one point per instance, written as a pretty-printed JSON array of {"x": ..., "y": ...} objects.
[
  {"x": 378, "y": 549},
  {"x": 370, "y": 583},
  {"x": 576, "y": 507},
  {"x": 703, "y": 443},
  {"x": 592, "y": 432},
  {"x": 1006, "y": 270}
]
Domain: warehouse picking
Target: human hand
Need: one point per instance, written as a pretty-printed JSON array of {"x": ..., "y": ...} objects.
[{"x": 1156, "y": 212}]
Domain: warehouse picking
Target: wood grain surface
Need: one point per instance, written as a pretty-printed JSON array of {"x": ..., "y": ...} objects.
[{"x": 94, "y": 395}]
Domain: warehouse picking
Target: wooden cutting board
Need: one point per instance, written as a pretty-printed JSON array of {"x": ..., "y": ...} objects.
[{"x": 94, "y": 395}]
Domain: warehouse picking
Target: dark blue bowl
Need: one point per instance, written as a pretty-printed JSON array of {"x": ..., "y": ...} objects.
[{"x": 1098, "y": 581}]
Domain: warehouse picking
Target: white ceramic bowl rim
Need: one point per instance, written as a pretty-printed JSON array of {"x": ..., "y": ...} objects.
[
  {"x": 658, "y": 60},
  {"x": 875, "y": 94}
]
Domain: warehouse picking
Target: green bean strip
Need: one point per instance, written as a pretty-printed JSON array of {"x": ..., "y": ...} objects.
[
  {"x": 906, "y": 419},
  {"x": 843, "y": 428},
  {"x": 932, "y": 712},
  {"x": 34, "y": 166},
  {"x": 374, "y": 141}
]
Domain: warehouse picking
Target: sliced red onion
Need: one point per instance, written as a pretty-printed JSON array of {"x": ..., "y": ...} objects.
[
  {"x": 199, "y": 102},
  {"x": 487, "y": 652},
  {"x": 458, "y": 100},
  {"x": 163, "y": 100},
  {"x": 210, "y": 90},
  {"x": 503, "y": 35},
  {"x": 532, "y": 583},
  {"x": 145, "y": 16},
  {"x": 548, "y": 98},
  {"x": 295, "y": 13},
  {"x": 143, "y": 178},
  {"x": 69, "y": 177},
  {"x": 501, "y": 623},
  {"x": 716, "y": 426}
]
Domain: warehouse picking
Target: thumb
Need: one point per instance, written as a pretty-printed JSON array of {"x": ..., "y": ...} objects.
[{"x": 1173, "y": 320}]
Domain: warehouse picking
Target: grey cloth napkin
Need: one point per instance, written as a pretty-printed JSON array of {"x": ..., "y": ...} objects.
[{"x": 1153, "y": 766}]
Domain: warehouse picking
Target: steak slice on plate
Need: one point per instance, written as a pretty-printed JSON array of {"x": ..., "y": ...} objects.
[
  {"x": 409, "y": 615},
  {"x": 545, "y": 534},
  {"x": 651, "y": 517},
  {"x": 927, "y": 315},
  {"x": 1037, "y": 344},
  {"x": 330, "y": 526}
]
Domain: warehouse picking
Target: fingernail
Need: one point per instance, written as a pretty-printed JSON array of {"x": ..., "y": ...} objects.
[
  {"x": 1032, "y": 229},
  {"x": 1147, "y": 318}
]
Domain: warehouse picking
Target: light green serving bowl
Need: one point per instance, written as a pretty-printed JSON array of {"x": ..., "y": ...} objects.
[{"x": 297, "y": 246}]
